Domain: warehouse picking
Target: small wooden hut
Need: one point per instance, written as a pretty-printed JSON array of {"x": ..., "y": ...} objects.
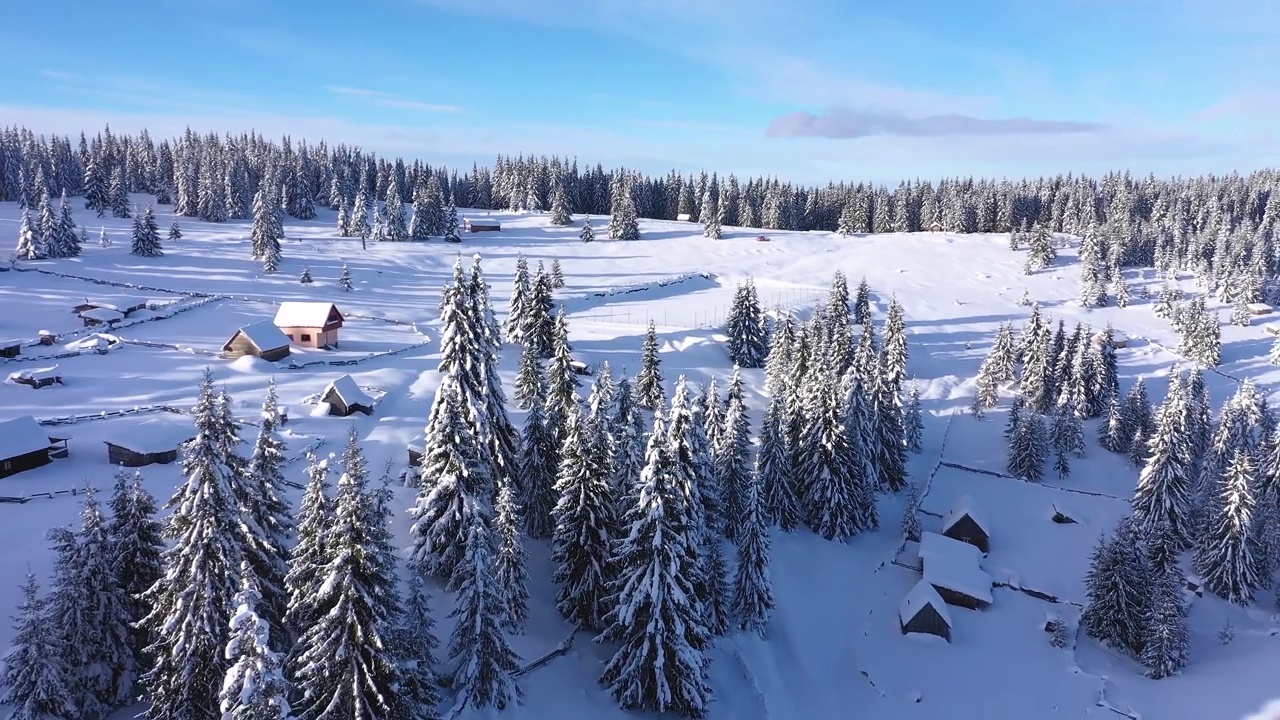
[
  {"x": 25, "y": 445},
  {"x": 10, "y": 348},
  {"x": 935, "y": 226},
  {"x": 151, "y": 442},
  {"x": 954, "y": 569},
  {"x": 475, "y": 225},
  {"x": 36, "y": 378},
  {"x": 965, "y": 523},
  {"x": 309, "y": 324},
  {"x": 261, "y": 339},
  {"x": 101, "y": 316},
  {"x": 344, "y": 397},
  {"x": 923, "y": 611}
]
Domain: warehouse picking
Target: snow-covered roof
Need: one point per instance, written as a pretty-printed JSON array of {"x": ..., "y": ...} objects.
[
  {"x": 303, "y": 314},
  {"x": 418, "y": 443},
  {"x": 954, "y": 565},
  {"x": 922, "y": 594},
  {"x": 264, "y": 335},
  {"x": 153, "y": 435},
  {"x": 96, "y": 340},
  {"x": 45, "y": 373},
  {"x": 351, "y": 394},
  {"x": 483, "y": 222},
  {"x": 966, "y": 506},
  {"x": 117, "y": 302},
  {"x": 21, "y": 436},
  {"x": 9, "y": 342},
  {"x": 102, "y": 314}
]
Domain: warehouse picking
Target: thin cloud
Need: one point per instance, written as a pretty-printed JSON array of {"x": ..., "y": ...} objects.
[
  {"x": 59, "y": 75},
  {"x": 844, "y": 124},
  {"x": 388, "y": 100}
]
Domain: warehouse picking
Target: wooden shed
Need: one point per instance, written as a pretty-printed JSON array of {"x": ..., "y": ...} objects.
[
  {"x": 344, "y": 397},
  {"x": 261, "y": 339},
  {"x": 37, "y": 378},
  {"x": 965, "y": 523},
  {"x": 101, "y": 316},
  {"x": 10, "y": 348},
  {"x": 309, "y": 324},
  {"x": 151, "y": 442},
  {"x": 417, "y": 447},
  {"x": 955, "y": 571},
  {"x": 935, "y": 226},
  {"x": 475, "y": 225},
  {"x": 923, "y": 611},
  {"x": 126, "y": 305},
  {"x": 25, "y": 445}
]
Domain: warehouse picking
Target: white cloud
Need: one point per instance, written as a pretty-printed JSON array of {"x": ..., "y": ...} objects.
[{"x": 388, "y": 100}]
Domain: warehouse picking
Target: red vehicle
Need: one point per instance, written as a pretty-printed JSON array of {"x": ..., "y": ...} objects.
[{"x": 762, "y": 238}]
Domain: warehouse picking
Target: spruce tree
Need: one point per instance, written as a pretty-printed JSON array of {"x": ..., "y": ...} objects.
[
  {"x": 773, "y": 466},
  {"x": 895, "y": 348},
  {"x": 255, "y": 687},
  {"x": 1116, "y": 587},
  {"x": 344, "y": 280},
  {"x": 396, "y": 229},
  {"x": 911, "y": 515},
  {"x": 747, "y": 344},
  {"x": 539, "y": 321},
  {"x": 538, "y": 466},
  {"x": 484, "y": 665},
  {"x": 342, "y": 666},
  {"x": 190, "y": 604},
  {"x": 560, "y": 204},
  {"x": 585, "y": 527},
  {"x": 1230, "y": 556},
  {"x": 413, "y": 643},
  {"x": 1165, "y": 639},
  {"x": 1028, "y": 449},
  {"x": 714, "y": 584},
  {"x": 307, "y": 557},
  {"x": 862, "y": 303},
  {"x": 626, "y": 429},
  {"x": 752, "y": 588},
  {"x": 30, "y": 246},
  {"x": 733, "y": 461},
  {"x": 1164, "y": 491},
  {"x": 137, "y": 544},
  {"x": 520, "y": 304},
  {"x": 557, "y": 274},
  {"x": 661, "y": 665},
  {"x": 913, "y": 421},
  {"x": 266, "y": 514},
  {"x": 38, "y": 683},
  {"x": 103, "y": 240},
  {"x": 890, "y": 449},
  {"x": 829, "y": 461},
  {"x": 649, "y": 392},
  {"x": 67, "y": 242},
  {"x": 588, "y": 233},
  {"x": 306, "y": 277},
  {"x": 510, "y": 571},
  {"x": 146, "y": 236}
]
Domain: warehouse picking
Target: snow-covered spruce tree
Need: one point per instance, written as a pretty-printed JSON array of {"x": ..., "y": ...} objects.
[
  {"x": 502, "y": 438},
  {"x": 262, "y": 232},
  {"x": 510, "y": 569},
  {"x": 539, "y": 455},
  {"x": 92, "y": 621},
  {"x": 1040, "y": 250},
  {"x": 1066, "y": 436},
  {"x": 539, "y": 321},
  {"x": 30, "y": 246},
  {"x": 1004, "y": 354},
  {"x": 306, "y": 277},
  {"x": 773, "y": 465},
  {"x": 344, "y": 219},
  {"x": 713, "y": 584},
  {"x": 1230, "y": 557},
  {"x": 890, "y": 450},
  {"x": 588, "y": 233},
  {"x": 1165, "y": 638},
  {"x": 752, "y": 588},
  {"x": 530, "y": 384},
  {"x": 451, "y": 222},
  {"x": 268, "y": 520},
  {"x": 119, "y": 193},
  {"x": 1116, "y": 588},
  {"x": 733, "y": 460},
  {"x": 64, "y": 243},
  {"x": 344, "y": 280},
  {"x": 396, "y": 228},
  {"x": 913, "y": 421},
  {"x": 828, "y": 465},
  {"x": 1028, "y": 449},
  {"x": 859, "y": 424},
  {"x": 452, "y": 484},
  {"x": 626, "y": 428},
  {"x": 343, "y": 668},
  {"x": 191, "y": 603},
  {"x": 557, "y": 274},
  {"x": 560, "y": 204},
  {"x": 661, "y": 665},
  {"x": 1164, "y": 491},
  {"x": 911, "y": 514},
  {"x": 747, "y": 345},
  {"x": 255, "y": 687},
  {"x": 307, "y": 557},
  {"x": 103, "y": 240},
  {"x": 146, "y": 236},
  {"x": 649, "y": 392},
  {"x": 1113, "y": 434},
  {"x": 519, "y": 305},
  {"x": 483, "y": 664},
  {"x": 895, "y": 349},
  {"x": 48, "y": 226},
  {"x": 137, "y": 542},
  {"x": 862, "y": 303},
  {"x": 585, "y": 528},
  {"x": 413, "y": 644},
  {"x": 359, "y": 224},
  {"x": 175, "y": 232},
  {"x": 36, "y": 680},
  {"x": 562, "y": 380}
]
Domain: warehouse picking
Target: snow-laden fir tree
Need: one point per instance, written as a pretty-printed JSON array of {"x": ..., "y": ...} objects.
[
  {"x": 36, "y": 679},
  {"x": 859, "y": 422},
  {"x": 119, "y": 193},
  {"x": 661, "y": 665},
  {"x": 48, "y": 226},
  {"x": 359, "y": 224},
  {"x": 175, "y": 232},
  {"x": 396, "y": 228},
  {"x": 413, "y": 644},
  {"x": 1066, "y": 436},
  {"x": 191, "y": 603},
  {"x": 829, "y": 460},
  {"x": 453, "y": 482},
  {"x": 510, "y": 568},
  {"x": 1230, "y": 556},
  {"x": 648, "y": 388},
  {"x": 1113, "y": 434},
  {"x": 344, "y": 220},
  {"x": 890, "y": 449},
  {"x": 560, "y": 204},
  {"x": 714, "y": 584},
  {"x": 913, "y": 421},
  {"x": 773, "y": 465},
  {"x": 1029, "y": 448},
  {"x": 520, "y": 304},
  {"x": 1165, "y": 484},
  {"x": 539, "y": 455},
  {"x": 530, "y": 382},
  {"x": 342, "y": 666},
  {"x": 267, "y": 518},
  {"x": 862, "y": 303},
  {"x": 626, "y": 429},
  {"x": 255, "y": 687},
  {"x": 263, "y": 242},
  {"x": 733, "y": 460},
  {"x": 1040, "y": 250},
  {"x": 588, "y": 233},
  {"x": 539, "y": 321},
  {"x": 30, "y": 244},
  {"x": 752, "y": 587},
  {"x": 557, "y": 274},
  {"x": 137, "y": 542},
  {"x": 103, "y": 240},
  {"x": 146, "y": 236},
  {"x": 911, "y": 514},
  {"x": 1117, "y": 590},
  {"x": 483, "y": 664},
  {"x": 585, "y": 528},
  {"x": 62, "y": 242},
  {"x": 747, "y": 344},
  {"x": 308, "y": 554},
  {"x": 344, "y": 280},
  {"x": 1165, "y": 637},
  {"x": 451, "y": 223},
  {"x": 895, "y": 349},
  {"x": 562, "y": 380}
]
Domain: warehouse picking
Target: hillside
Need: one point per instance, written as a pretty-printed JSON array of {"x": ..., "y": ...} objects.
[{"x": 833, "y": 648}]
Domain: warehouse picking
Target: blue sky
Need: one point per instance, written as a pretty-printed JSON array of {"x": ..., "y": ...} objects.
[{"x": 807, "y": 90}]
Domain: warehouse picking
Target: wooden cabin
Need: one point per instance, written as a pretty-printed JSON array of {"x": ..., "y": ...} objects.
[
  {"x": 684, "y": 217},
  {"x": 126, "y": 305},
  {"x": 261, "y": 339},
  {"x": 25, "y": 445},
  {"x": 37, "y": 378},
  {"x": 10, "y": 348},
  {"x": 935, "y": 226},
  {"x": 923, "y": 611},
  {"x": 965, "y": 523},
  {"x": 417, "y": 448},
  {"x": 101, "y": 316},
  {"x": 475, "y": 225},
  {"x": 954, "y": 569},
  {"x": 47, "y": 337},
  {"x": 309, "y": 324},
  {"x": 344, "y": 397},
  {"x": 152, "y": 442}
]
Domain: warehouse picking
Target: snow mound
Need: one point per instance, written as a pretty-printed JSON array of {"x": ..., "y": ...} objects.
[{"x": 251, "y": 364}]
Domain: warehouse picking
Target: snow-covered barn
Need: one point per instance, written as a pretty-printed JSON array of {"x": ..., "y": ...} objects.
[
  {"x": 343, "y": 397},
  {"x": 309, "y": 324},
  {"x": 924, "y": 611},
  {"x": 261, "y": 339},
  {"x": 965, "y": 522},
  {"x": 954, "y": 569},
  {"x": 25, "y": 445}
]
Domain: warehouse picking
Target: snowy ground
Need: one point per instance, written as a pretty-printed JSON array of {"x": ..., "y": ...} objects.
[{"x": 834, "y": 649}]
